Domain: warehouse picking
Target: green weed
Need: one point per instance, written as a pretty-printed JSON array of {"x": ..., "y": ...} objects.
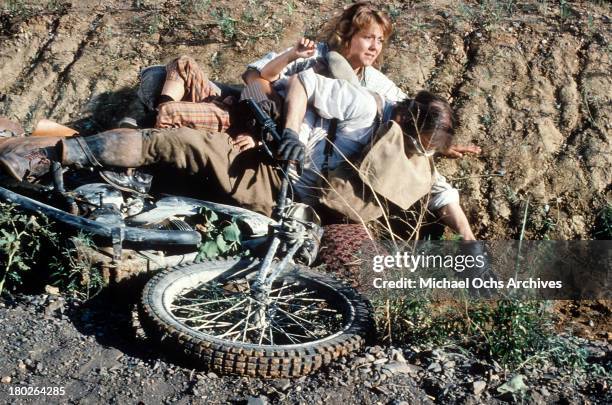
[
  {"x": 226, "y": 23},
  {"x": 488, "y": 12},
  {"x": 17, "y": 8},
  {"x": 409, "y": 319},
  {"x": 541, "y": 222},
  {"x": 393, "y": 11},
  {"x": 195, "y": 6},
  {"x": 603, "y": 223},
  {"x": 418, "y": 25},
  {"x": 153, "y": 25},
  {"x": 73, "y": 270},
  {"x": 247, "y": 17},
  {"x": 486, "y": 120},
  {"x": 220, "y": 237},
  {"x": 514, "y": 333},
  {"x": 511, "y": 331},
  {"x": 565, "y": 11},
  {"x": 542, "y": 6},
  {"x": 149, "y": 23},
  {"x": 23, "y": 238},
  {"x": 290, "y": 8},
  {"x": 55, "y": 6},
  {"x": 29, "y": 242}
]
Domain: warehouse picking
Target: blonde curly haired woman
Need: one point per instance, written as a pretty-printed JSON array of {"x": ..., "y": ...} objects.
[{"x": 358, "y": 33}]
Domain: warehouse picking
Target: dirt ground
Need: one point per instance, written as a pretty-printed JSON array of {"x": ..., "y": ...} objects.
[
  {"x": 89, "y": 350},
  {"x": 529, "y": 80}
]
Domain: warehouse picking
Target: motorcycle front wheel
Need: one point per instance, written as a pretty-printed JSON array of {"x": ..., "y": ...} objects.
[{"x": 208, "y": 311}]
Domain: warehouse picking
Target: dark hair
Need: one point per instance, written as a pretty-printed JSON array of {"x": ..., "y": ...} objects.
[
  {"x": 339, "y": 31},
  {"x": 427, "y": 113}
]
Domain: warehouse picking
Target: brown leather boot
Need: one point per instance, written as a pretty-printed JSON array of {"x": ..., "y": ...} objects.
[
  {"x": 28, "y": 156},
  {"x": 119, "y": 148},
  {"x": 115, "y": 148}
]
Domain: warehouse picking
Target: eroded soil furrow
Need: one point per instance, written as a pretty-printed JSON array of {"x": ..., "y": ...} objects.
[
  {"x": 63, "y": 76},
  {"x": 586, "y": 121},
  {"x": 471, "y": 55},
  {"x": 22, "y": 81}
]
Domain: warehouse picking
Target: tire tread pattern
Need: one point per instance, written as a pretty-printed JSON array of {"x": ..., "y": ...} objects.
[{"x": 267, "y": 362}]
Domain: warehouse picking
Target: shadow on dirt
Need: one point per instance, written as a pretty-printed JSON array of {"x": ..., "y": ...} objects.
[
  {"x": 113, "y": 321},
  {"x": 109, "y": 318},
  {"x": 105, "y": 111}
]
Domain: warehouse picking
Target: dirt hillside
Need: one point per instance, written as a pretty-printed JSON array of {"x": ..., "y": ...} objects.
[{"x": 530, "y": 82}]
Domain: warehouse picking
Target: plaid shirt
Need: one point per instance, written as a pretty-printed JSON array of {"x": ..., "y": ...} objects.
[{"x": 201, "y": 106}]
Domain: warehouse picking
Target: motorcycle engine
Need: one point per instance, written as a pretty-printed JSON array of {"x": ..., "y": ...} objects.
[{"x": 104, "y": 203}]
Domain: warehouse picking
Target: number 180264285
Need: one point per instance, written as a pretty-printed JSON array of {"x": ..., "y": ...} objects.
[{"x": 36, "y": 391}]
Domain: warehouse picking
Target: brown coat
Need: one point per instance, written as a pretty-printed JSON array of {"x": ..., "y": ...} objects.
[
  {"x": 388, "y": 169},
  {"x": 249, "y": 178}
]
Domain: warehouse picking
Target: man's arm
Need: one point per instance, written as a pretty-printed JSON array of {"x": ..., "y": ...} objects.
[
  {"x": 295, "y": 104},
  {"x": 453, "y": 216},
  {"x": 291, "y": 148},
  {"x": 444, "y": 201},
  {"x": 457, "y": 151}
]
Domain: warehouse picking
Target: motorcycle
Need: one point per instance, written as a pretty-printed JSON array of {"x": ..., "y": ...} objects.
[{"x": 265, "y": 314}]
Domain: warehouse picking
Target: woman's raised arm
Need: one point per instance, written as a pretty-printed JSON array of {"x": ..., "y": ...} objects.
[{"x": 304, "y": 48}]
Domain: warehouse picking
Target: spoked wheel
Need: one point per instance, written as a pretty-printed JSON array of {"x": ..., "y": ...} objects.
[{"x": 208, "y": 310}]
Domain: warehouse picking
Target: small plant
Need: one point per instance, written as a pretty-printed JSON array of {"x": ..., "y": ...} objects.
[
  {"x": 221, "y": 237},
  {"x": 290, "y": 7},
  {"x": 541, "y": 222},
  {"x": 418, "y": 25},
  {"x": 410, "y": 319},
  {"x": 393, "y": 11},
  {"x": 226, "y": 24},
  {"x": 55, "y": 6},
  {"x": 73, "y": 270},
  {"x": 194, "y": 6},
  {"x": 14, "y": 7},
  {"x": 154, "y": 24},
  {"x": 22, "y": 240},
  {"x": 486, "y": 120},
  {"x": 512, "y": 332},
  {"x": 603, "y": 223},
  {"x": 565, "y": 11},
  {"x": 451, "y": 236},
  {"x": 247, "y": 17},
  {"x": 542, "y": 6},
  {"x": 488, "y": 12}
]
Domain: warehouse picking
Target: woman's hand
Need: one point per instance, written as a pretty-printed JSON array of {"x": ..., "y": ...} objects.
[
  {"x": 304, "y": 48},
  {"x": 243, "y": 142},
  {"x": 457, "y": 151}
]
